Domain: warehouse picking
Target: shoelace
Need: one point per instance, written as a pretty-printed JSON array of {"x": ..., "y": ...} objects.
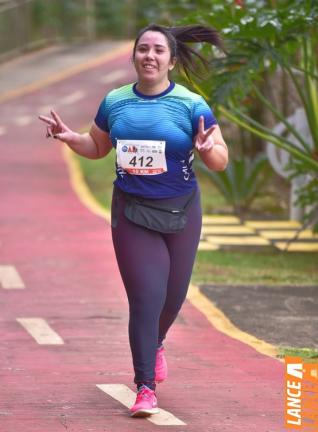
[{"x": 144, "y": 394}]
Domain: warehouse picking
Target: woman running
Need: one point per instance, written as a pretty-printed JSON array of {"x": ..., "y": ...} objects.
[{"x": 155, "y": 125}]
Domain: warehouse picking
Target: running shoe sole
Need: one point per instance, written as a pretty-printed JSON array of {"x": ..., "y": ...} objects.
[{"x": 145, "y": 412}]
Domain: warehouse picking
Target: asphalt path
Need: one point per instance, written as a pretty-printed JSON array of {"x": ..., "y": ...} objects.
[{"x": 285, "y": 316}]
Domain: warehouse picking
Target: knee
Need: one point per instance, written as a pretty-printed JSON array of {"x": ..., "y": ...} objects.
[{"x": 171, "y": 310}]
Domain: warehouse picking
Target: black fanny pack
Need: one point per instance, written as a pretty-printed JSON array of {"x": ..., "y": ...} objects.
[{"x": 156, "y": 217}]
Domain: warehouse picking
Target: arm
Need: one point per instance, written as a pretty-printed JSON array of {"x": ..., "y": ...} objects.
[
  {"x": 93, "y": 145},
  {"x": 211, "y": 147}
]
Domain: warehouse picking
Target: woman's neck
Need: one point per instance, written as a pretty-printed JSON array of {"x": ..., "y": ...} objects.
[{"x": 149, "y": 89}]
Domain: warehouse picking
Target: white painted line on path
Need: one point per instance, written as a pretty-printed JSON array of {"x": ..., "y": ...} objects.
[
  {"x": 113, "y": 76},
  {"x": 40, "y": 330},
  {"x": 72, "y": 98},
  {"x": 46, "y": 109},
  {"x": 10, "y": 278},
  {"x": 127, "y": 397},
  {"x": 24, "y": 120}
]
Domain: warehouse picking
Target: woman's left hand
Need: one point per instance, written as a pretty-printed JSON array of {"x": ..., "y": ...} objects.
[{"x": 204, "y": 140}]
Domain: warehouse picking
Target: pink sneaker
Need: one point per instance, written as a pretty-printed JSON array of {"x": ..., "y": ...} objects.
[
  {"x": 161, "y": 368},
  {"x": 146, "y": 403}
]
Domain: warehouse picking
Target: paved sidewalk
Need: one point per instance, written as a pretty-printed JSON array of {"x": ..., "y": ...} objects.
[
  {"x": 63, "y": 323},
  {"x": 230, "y": 232},
  {"x": 29, "y": 70}
]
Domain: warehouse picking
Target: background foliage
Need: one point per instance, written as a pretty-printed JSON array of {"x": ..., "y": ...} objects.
[
  {"x": 271, "y": 68},
  {"x": 271, "y": 52}
]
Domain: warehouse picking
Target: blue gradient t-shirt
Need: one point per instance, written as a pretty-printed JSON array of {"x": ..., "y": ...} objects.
[{"x": 172, "y": 117}]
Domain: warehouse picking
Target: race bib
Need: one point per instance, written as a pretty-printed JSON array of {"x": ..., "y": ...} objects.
[{"x": 142, "y": 157}]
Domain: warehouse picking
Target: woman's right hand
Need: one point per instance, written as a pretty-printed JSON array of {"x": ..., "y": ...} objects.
[{"x": 57, "y": 129}]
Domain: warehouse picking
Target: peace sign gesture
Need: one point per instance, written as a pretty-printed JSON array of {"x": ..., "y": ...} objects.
[
  {"x": 204, "y": 140},
  {"x": 57, "y": 129}
]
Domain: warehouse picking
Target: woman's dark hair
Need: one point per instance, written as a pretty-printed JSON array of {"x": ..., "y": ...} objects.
[{"x": 178, "y": 37}]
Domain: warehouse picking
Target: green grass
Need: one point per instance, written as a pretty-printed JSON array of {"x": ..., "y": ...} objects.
[
  {"x": 261, "y": 268},
  {"x": 99, "y": 175},
  {"x": 309, "y": 355}
]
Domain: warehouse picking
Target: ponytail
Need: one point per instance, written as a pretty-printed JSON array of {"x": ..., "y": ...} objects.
[{"x": 179, "y": 37}]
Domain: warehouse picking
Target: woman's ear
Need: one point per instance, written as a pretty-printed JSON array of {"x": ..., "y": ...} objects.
[{"x": 172, "y": 63}]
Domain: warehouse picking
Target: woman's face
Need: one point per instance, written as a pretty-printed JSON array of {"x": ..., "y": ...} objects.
[{"x": 153, "y": 58}]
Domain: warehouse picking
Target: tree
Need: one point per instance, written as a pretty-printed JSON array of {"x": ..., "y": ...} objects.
[{"x": 263, "y": 40}]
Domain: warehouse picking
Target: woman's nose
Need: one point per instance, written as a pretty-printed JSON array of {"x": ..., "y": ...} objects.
[{"x": 150, "y": 53}]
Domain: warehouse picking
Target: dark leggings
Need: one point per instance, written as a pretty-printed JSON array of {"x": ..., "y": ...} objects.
[{"x": 156, "y": 270}]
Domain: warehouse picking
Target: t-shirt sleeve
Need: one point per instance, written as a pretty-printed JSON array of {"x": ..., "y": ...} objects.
[
  {"x": 101, "y": 118},
  {"x": 202, "y": 108}
]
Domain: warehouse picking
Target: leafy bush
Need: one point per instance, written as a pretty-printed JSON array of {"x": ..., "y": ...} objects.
[
  {"x": 263, "y": 41},
  {"x": 242, "y": 181}
]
